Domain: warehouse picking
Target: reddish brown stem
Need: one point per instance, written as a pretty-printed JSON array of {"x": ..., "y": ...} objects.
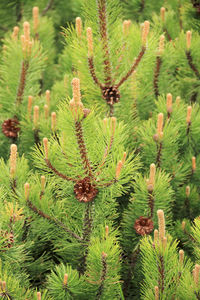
[
  {"x": 104, "y": 39},
  {"x": 158, "y": 159},
  {"x": 107, "y": 184},
  {"x": 51, "y": 219},
  {"x": 134, "y": 66},
  {"x": 156, "y": 75},
  {"x": 191, "y": 64},
  {"x": 92, "y": 71},
  {"x": 161, "y": 270},
  {"x": 48, "y": 163},
  {"x": 22, "y": 82},
  {"x": 167, "y": 34},
  {"x": 103, "y": 277},
  {"x": 82, "y": 149}
]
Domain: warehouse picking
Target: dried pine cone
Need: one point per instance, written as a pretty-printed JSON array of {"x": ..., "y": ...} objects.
[
  {"x": 143, "y": 225},
  {"x": 10, "y": 128},
  {"x": 111, "y": 94},
  {"x": 84, "y": 190}
]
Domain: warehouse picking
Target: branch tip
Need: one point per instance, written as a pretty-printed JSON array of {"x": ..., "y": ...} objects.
[
  {"x": 90, "y": 41},
  {"x": 193, "y": 163},
  {"x": 39, "y": 296},
  {"x": 45, "y": 142},
  {"x": 26, "y": 190},
  {"x": 107, "y": 230},
  {"x": 35, "y": 18},
  {"x": 162, "y": 14},
  {"x": 13, "y": 160},
  {"x": 65, "y": 280},
  {"x": 53, "y": 121},
  {"x": 43, "y": 180},
  {"x": 188, "y": 39},
  {"x": 46, "y": 111},
  {"x": 36, "y": 116},
  {"x": 169, "y": 103},
  {"x": 181, "y": 257},
  {"x": 15, "y": 32},
  {"x": 161, "y": 45},
  {"x": 145, "y": 32},
  {"x": 78, "y": 26},
  {"x": 187, "y": 191},
  {"x": 118, "y": 169},
  {"x": 156, "y": 289},
  {"x": 161, "y": 224},
  {"x": 47, "y": 93},
  {"x": 189, "y": 112}
]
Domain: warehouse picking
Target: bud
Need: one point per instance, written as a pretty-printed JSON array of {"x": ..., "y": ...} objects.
[
  {"x": 46, "y": 111},
  {"x": 161, "y": 224},
  {"x": 65, "y": 279},
  {"x": 35, "y": 18},
  {"x": 27, "y": 190},
  {"x": 90, "y": 42},
  {"x": 107, "y": 230},
  {"x": 13, "y": 160},
  {"x": 160, "y": 125},
  {"x": 43, "y": 179},
  {"x": 189, "y": 112},
  {"x": 156, "y": 293},
  {"x": 104, "y": 255},
  {"x": 30, "y": 99},
  {"x": 53, "y": 121},
  {"x": 78, "y": 26},
  {"x": 76, "y": 90},
  {"x": 193, "y": 163},
  {"x": 161, "y": 45},
  {"x": 162, "y": 14},
  {"x": 126, "y": 27},
  {"x": 145, "y": 32},
  {"x": 196, "y": 274},
  {"x": 45, "y": 143},
  {"x": 15, "y": 32},
  {"x": 169, "y": 103},
  {"x": 152, "y": 174},
  {"x": 187, "y": 191},
  {"x": 181, "y": 257},
  {"x": 155, "y": 235},
  {"x": 39, "y": 296},
  {"x": 188, "y": 39},
  {"x": 36, "y": 116},
  {"x": 118, "y": 170},
  {"x": 183, "y": 225},
  {"x": 26, "y": 31}
]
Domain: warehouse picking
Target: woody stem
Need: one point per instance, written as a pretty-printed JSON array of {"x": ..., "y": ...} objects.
[{"x": 104, "y": 39}]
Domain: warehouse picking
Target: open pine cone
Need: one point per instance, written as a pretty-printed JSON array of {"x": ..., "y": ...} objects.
[
  {"x": 10, "y": 128},
  {"x": 84, "y": 190},
  {"x": 143, "y": 225}
]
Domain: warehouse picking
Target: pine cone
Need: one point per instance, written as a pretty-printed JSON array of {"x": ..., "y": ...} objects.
[
  {"x": 84, "y": 190},
  {"x": 10, "y": 128},
  {"x": 143, "y": 225},
  {"x": 111, "y": 94}
]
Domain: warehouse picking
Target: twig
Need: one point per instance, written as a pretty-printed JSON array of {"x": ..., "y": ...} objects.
[
  {"x": 53, "y": 220},
  {"x": 191, "y": 64},
  {"x": 104, "y": 39},
  {"x": 22, "y": 82},
  {"x": 49, "y": 5},
  {"x": 134, "y": 66},
  {"x": 92, "y": 71},
  {"x": 156, "y": 75},
  {"x": 48, "y": 163}
]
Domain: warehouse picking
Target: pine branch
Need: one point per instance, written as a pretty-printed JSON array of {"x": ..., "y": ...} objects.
[
  {"x": 92, "y": 71},
  {"x": 22, "y": 82},
  {"x": 167, "y": 34},
  {"x": 48, "y": 163},
  {"x": 49, "y": 5},
  {"x": 37, "y": 138},
  {"x": 191, "y": 64},
  {"x": 87, "y": 229},
  {"x": 82, "y": 149},
  {"x": 156, "y": 76},
  {"x": 159, "y": 152},
  {"x": 104, "y": 39},
  {"x": 134, "y": 66},
  {"x": 53, "y": 220},
  {"x": 161, "y": 270},
  {"x": 103, "y": 276}
]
